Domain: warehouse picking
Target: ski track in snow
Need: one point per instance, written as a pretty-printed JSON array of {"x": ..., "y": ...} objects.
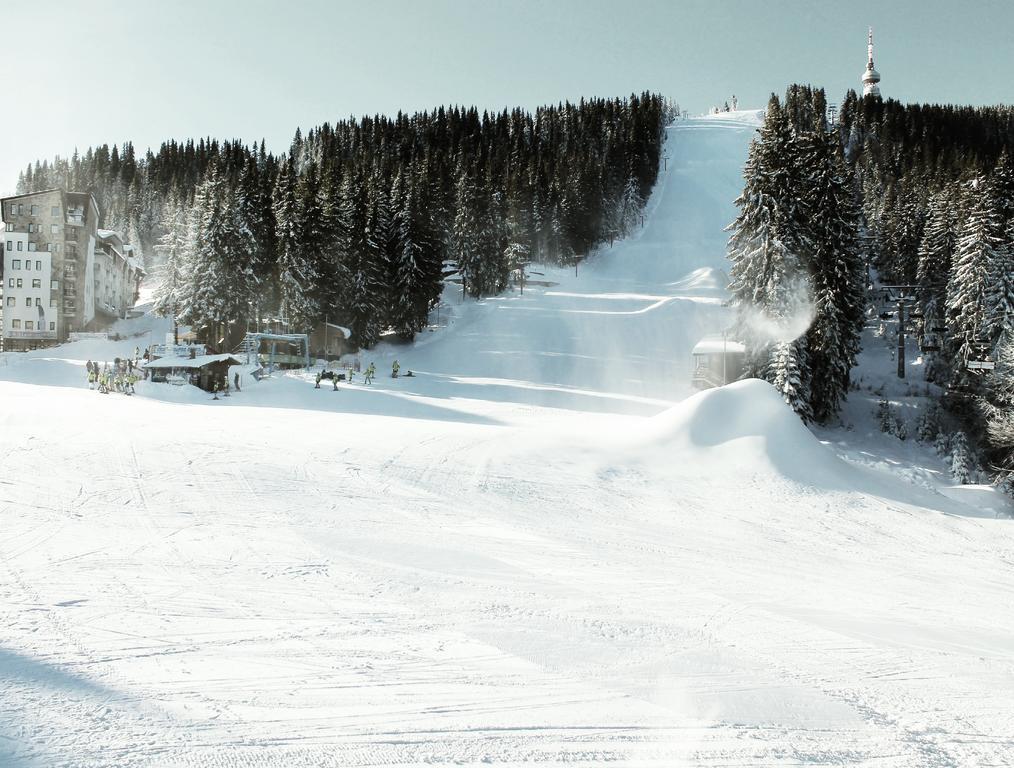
[{"x": 516, "y": 558}]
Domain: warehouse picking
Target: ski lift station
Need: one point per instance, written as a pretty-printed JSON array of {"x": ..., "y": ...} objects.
[
  {"x": 718, "y": 360},
  {"x": 276, "y": 350}
]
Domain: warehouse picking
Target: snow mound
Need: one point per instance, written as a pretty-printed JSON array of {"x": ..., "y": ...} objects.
[{"x": 745, "y": 426}]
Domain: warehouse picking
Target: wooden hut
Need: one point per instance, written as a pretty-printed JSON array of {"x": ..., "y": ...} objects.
[{"x": 201, "y": 370}]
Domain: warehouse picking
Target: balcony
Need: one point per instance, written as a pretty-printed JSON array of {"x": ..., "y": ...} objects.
[{"x": 76, "y": 218}]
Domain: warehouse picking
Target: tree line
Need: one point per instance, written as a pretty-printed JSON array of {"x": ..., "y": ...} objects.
[
  {"x": 897, "y": 195},
  {"x": 360, "y": 221}
]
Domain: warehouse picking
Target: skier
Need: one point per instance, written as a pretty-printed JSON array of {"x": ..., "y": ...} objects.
[
  {"x": 137, "y": 353},
  {"x": 394, "y": 370},
  {"x": 214, "y": 390},
  {"x": 236, "y": 380},
  {"x": 370, "y": 370},
  {"x": 334, "y": 381},
  {"x": 317, "y": 385}
]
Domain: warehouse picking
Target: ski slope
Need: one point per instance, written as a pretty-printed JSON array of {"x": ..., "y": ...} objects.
[{"x": 538, "y": 550}]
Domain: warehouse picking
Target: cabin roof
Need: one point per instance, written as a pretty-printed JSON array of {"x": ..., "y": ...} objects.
[
  {"x": 716, "y": 345},
  {"x": 190, "y": 362}
]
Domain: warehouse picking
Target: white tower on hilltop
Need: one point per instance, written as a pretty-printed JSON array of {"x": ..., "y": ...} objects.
[{"x": 870, "y": 77}]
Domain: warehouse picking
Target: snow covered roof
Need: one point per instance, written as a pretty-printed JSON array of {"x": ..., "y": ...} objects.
[
  {"x": 716, "y": 345},
  {"x": 190, "y": 362},
  {"x": 108, "y": 234}
]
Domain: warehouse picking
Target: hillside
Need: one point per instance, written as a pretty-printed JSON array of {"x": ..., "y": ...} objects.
[{"x": 541, "y": 548}]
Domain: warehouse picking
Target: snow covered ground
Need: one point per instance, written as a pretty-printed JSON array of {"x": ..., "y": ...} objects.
[{"x": 539, "y": 549}]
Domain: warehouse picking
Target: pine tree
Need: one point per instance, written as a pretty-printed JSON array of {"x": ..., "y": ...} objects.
[
  {"x": 836, "y": 269},
  {"x": 936, "y": 252},
  {"x": 466, "y": 246},
  {"x": 767, "y": 277},
  {"x": 363, "y": 302},
  {"x": 998, "y": 320},
  {"x": 172, "y": 276},
  {"x": 297, "y": 270},
  {"x": 999, "y": 406},
  {"x": 969, "y": 279},
  {"x": 787, "y": 372},
  {"x": 962, "y": 463}
]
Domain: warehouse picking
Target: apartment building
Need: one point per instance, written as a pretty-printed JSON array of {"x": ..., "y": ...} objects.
[
  {"x": 49, "y": 269},
  {"x": 117, "y": 276}
]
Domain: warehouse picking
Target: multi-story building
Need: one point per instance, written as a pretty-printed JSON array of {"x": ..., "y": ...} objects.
[
  {"x": 49, "y": 268},
  {"x": 117, "y": 276}
]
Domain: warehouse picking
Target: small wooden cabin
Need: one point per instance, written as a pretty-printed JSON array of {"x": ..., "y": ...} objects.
[
  {"x": 718, "y": 360},
  {"x": 202, "y": 370}
]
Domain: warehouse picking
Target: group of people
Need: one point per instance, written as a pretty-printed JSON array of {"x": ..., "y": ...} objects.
[
  {"x": 368, "y": 374},
  {"x": 120, "y": 376}
]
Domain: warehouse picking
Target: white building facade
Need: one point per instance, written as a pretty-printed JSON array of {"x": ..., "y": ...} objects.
[
  {"x": 52, "y": 284},
  {"x": 30, "y": 312}
]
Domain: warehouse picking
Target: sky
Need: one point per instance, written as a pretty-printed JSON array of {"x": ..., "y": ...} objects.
[{"x": 105, "y": 71}]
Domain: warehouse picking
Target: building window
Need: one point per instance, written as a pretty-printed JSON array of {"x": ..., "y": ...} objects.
[
  {"x": 20, "y": 244},
  {"x": 21, "y": 209},
  {"x": 10, "y": 301},
  {"x": 54, "y": 229},
  {"x": 35, "y": 210},
  {"x": 19, "y": 282},
  {"x": 54, "y": 211},
  {"x": 52, "y": 303},
  {"x": 38, "y": 301},
  {"x": 28, "y": 301},
  {"x": 54, "y": 285},
  {"x": 38, "y": 264},
  {"x": 16, "y": 264},
  {"x": 10, "y": 226},
  {"x": 10, "y": 245},
  {"x": 16, "y": 324},
  {"x": 29, "y": 325},
  {"x": 52, "y": 325},
  {"x": 28, "y": 264},
  {"x": 33, "y": 247},
  {"x": 36, "y": 283},
  {"x": 14, "y": 210}
]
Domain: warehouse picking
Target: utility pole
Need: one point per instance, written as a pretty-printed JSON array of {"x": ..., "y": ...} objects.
[
  {"x": 901, "y": 337},
  {"x": 725, "y": 356}
]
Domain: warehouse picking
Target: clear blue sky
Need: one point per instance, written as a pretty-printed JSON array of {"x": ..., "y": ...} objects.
[{"x": 80, "y": 73}]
